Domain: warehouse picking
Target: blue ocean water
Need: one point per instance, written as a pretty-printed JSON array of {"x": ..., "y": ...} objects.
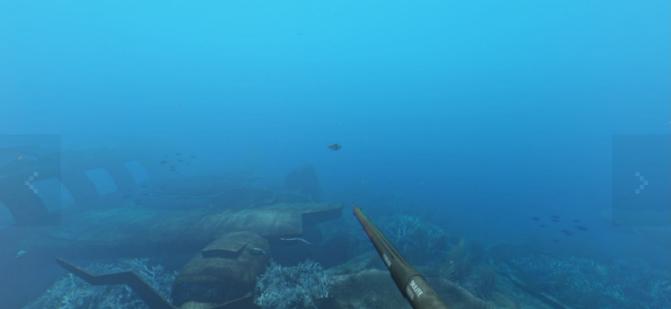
[{"x": 536, "y": 128}]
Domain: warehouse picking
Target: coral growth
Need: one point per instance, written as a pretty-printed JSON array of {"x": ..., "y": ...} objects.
[
  {"x": 418, "y": 241},
  {"x": 71, "y": 292},
  {"x": 300, "y": 286},
  {"x": 482, "y": 281},
  {"x": 586, "y": 283},
  {"x": 464, "y": 264},
  {"x": 457, "y": 262}
]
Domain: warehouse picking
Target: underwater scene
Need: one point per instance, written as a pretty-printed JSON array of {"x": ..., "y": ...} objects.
[{"x": 335, "y": 154}]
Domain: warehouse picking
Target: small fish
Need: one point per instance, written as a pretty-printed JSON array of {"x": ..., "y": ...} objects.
[
  {"x": 163, "y": 162},
  {"x": 335, "y": 147},
  {"x": 581, "y": 228},
  {"x": 567, "y": 232},
  {"x": 542, "y": 226},
  {"x": 535, "y": 218},
  {"x": 576, "y": 221}
]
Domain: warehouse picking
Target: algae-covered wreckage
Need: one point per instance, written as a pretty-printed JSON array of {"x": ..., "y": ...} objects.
[
  {"x": 28, "y": 166},
  {"x": 231, "y": 233},
  {"x": 229, "y": 243},
  {"x": 238, "y": 245},
  {"x": 232, "y": 240}
]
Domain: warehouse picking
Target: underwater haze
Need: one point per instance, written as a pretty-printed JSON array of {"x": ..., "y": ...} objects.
[{"x": 516, "y": 151}]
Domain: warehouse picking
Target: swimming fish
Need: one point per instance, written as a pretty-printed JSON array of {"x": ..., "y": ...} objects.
[
  {"x": 582, "y": 228},
  {"x": 335, "y": 147},
  {"x": 179, "y": 159}
]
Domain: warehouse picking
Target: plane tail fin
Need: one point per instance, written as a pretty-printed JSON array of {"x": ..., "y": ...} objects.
[{"x": 152, "y": 298}]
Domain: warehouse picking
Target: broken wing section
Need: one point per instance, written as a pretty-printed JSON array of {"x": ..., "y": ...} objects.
[{"x": 129, "y": 278}]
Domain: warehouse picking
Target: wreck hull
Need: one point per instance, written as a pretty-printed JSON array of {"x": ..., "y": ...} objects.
[{"x": 133, "y": 231}]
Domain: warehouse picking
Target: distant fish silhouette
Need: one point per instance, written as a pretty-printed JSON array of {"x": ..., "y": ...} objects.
[
  {"x": 567, "y": 232},
  {"x": 535, "y": 219},
  {"x": 581, "y": 228},
  {"x": 179, "y": 159},
  {"x": 335, "y": 147},
  {"x": 542, "y": 226}
]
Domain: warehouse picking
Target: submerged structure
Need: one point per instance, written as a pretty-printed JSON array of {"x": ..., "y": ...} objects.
[
  {"x": 223, "y": 273},
  {"x": 28, "y": 166},
  {"x": 232, "y": 244},
  {"x": 231, "y": 247},
  {"x": 230, "y": 228}
]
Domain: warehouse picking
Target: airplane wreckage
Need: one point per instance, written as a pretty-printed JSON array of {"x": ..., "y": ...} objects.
[
  {"x": 236, "y": 246},
  {"x": 229, "y": 232},
  {"x": 234, "y": 243}
]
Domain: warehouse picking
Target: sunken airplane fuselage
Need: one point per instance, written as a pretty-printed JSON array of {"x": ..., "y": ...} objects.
[
  {"x": 20, "y": 178},
  {"x": 231, "y": 229},
  {"x": 127, "y": 231},
  {"x": 230, "y": 247},
  {"x": 23, "y": 168}
]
